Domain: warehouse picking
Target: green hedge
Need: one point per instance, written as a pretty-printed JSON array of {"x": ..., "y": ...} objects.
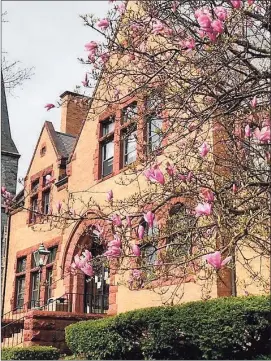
[
  {"x": 30, "y": 353},
  {"x": 223, "y": 328}
]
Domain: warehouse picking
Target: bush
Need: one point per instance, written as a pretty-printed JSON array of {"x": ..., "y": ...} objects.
[
  {"x": 223, "y": 328},
  {"x": 30, "y": 353}
]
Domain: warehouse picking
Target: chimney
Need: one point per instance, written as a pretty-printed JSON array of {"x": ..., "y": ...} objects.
[{"x": 74, "y": 111}]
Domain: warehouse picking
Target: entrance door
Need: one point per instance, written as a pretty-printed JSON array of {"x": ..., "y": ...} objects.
[{"x": 97, "y": 292}]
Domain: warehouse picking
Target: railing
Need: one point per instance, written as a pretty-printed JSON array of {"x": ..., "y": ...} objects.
[{"x": 13, "y": 321}]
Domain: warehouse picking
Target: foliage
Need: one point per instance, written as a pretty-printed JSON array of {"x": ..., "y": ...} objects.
[
  {"x": 224, "y": 328},
  {"x": 30, "y": 353}
]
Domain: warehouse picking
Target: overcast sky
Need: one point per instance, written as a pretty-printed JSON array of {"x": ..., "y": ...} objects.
[{"x": 50, "y": 36}]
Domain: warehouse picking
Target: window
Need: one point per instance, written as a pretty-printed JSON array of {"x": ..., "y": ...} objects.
[
  {"x": 35, "y": 284},
  {"x": 129, "y": 113},
  {"x": 46, "y": 202},
  {"x": 129, "y": 146},
  {"x": 42, "y": 151},
  {"x": 21, "y": 265},
  {"x": 154, "y": 134},
  {"x": 34, "y": 209},
  {"x": 52, "y": 255},
  {"x": 35, "y": 185},
  {"x": 149, "y": 252},
  {"x": 107, "y": 146},
  {"x": 107, "y": 157},
  {"x": 49, "y": 281},
  {"x": 20, "y": 287},
  {"x": 179, "y": 231},
  {"x": 45, "y": 182},
  {"x": 108, "y": 126}
]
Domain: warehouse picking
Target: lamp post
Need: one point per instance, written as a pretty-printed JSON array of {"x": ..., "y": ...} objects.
[{"x": 40, "y": 258}]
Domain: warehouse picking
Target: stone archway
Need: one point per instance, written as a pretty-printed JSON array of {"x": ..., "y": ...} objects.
[{"x": 75, "y": 284}]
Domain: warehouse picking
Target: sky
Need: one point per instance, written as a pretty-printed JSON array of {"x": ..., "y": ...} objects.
[{"x": 50, "y": 36}]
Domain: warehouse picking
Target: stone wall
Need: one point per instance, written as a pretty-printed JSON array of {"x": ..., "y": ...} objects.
[{"x": 47, "y": 328}]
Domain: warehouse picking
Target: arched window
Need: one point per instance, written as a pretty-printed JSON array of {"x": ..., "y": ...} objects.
[{"x": 179, "y": 231}]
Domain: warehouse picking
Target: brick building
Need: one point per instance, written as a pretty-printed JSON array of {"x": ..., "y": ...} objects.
[{"x": 86, "y": 158}]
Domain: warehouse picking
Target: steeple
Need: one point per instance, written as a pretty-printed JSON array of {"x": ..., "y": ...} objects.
[{"x": 7, "y": 144}]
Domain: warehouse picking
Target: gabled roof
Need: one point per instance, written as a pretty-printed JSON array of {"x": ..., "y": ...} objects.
[
  {"x": 62, "y": 143},
  {"x": 7, "y": 143}
]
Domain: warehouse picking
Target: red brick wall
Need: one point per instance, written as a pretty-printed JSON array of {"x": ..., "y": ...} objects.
[{"x": 47, "y": 328}]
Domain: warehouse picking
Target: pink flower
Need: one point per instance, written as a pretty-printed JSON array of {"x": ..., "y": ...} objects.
[
  {"x": 236, "y": 4},
  {"x": 49, "y": 106},
  {"x": 116, "y": 242},
  {"x": 174, "y": 6},
  {"x": 248, "y": 131},
  {"x": 217, "y": 26},
  {"x": 121, "y": 8},
  {"x": 149, "y": 218},
  {"x": 221, "y": 13},
  {"x": 204, "y": 149},
  {"x": 116, "y": 220},
  {"x": 141, "y": 231},
  {"x": 158, "y": 28},
  {"x": 200, "y": 12},
  {"x": 128, "y": 221},
  {"x": 154, "y": 174},
  {"x": 204, "y": 21},
  {"x": 58, "y": 206},
  {"x": 186, "y": 178},
  {"x": 85, "y": 82},
  {"x": 215, "y": 260},
  {"x": 203, "y": 209},
  {"x": 207, "y": 194},
  {"x": 234, "y": 188},
  {"x": 99, "y": 231},
  {"x": 103, "y": 24},
  {"x": 136, "y": 250},
  {"x": 87, "y": 255},
  {"x": 92, "y": 47},
  {"x": 254, "y": 102},
  {"x": 104, "y": 57},
  {"x": 170, "y": 169},
  {"x": 263, "y": 135},
  {"x": 113, "y": 252},
  {"x": 3, "y": 190},
  {"x": 87, "y": 269},
  {"x": 189, "y": 44},
  {"x": 250, "y": 2},
  {"x": 109, "y": 196}
]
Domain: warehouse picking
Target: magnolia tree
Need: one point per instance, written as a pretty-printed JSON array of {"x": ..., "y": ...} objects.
[{"x": 202, "y": 71}]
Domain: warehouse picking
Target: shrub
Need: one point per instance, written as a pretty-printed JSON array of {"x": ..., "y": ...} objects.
[
  {"x": 224, "y": 328},
  {"x": 30, "y": 353}
]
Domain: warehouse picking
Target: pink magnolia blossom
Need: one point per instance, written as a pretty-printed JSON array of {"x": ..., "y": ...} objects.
[
  {"x": 136, "y": 250},
  {"x": 121, "y": 8},
  {"x": 116, "y": 219},
  {"x": 87, "y": 270},
  {"x": 254, "y": 102},
  {"x": 215, "y": 260},
  {"x": 204, "y": 21},
  {"x": 49, "y": 106},
  {"x": 3, "y": 190},
  {"x": 136, "y": 274},
  {"x": 58, "y": 206},
  {"x": 87, "y": 255},
  {"x": 203, "y": 209},
  {"x": 149, "y": 218},
  {"x": 92, "y": 47},
  {"x": 86, "y": 81},
  {"x": 189, "y": 44},
  {"x": 128, "y": 221},
  {"x": 170, "y": 169},
  {"x": 204, "y": 149},
  {"x": 113, "y": 252},
  {"x": 99, "y": 231},
  {"x": 116, "y": 242},
  {"x": 104, "y": 57},
  {"x": 221, "y": 13},
  {"x": 234, "y": 188},
  {"x": 200, "y": 12},
  {"x": 103, "y": 24},
  {"x": 158, "y": 28},
  {"x": 155, "y": 175},
  {"x": 217, "y": 26},
  {"x": 109, "y": 196},
  {"x": 248, "y": 132},
  {"x": 174, "y": 6},
  {"x": 250, "y": 2},
  {"x": 263, "y": 135},
  {"x": 186, "y": 178},
  {"x": 141, "y": 231},
  {"x": 236, "y": 3},
  {"x": 207, "y": 194}
]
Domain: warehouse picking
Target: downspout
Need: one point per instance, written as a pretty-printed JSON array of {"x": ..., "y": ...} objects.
[{"x": 6, "y": 264}]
